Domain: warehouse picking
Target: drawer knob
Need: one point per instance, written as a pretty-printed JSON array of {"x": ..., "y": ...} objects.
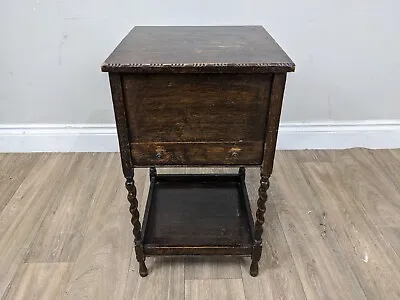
[
  {"x": 235, "y": 154},
  {"x": 158, "y": 155}
]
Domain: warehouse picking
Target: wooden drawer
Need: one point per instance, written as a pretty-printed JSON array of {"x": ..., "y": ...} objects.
[
  {"x": 196, "y": 107},
  {"x": 145, "y": 154}
]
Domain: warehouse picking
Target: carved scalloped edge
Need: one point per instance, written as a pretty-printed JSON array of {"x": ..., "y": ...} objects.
[{"x": 198, "y": 65}]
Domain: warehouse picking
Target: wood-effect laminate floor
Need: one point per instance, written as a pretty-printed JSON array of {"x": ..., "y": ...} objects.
[{"x": 332, "y": 231}]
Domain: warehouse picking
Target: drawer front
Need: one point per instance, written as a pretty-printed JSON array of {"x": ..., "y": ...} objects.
[
  {"x": 196, "y": 107},
  {"x": 145, "y": 154}
]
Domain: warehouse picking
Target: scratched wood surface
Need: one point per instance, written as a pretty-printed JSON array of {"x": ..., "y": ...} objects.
[
  {"x": 196, "y": 107},
  {"x": 332, "y": 231},
  {"x": 198, "y": 49}
]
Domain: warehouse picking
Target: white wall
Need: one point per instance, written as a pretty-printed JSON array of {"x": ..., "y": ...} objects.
[{"x": 346, "y": 52}]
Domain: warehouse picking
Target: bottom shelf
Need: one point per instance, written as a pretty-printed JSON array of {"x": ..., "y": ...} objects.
[{"x": 198, "y": 215}]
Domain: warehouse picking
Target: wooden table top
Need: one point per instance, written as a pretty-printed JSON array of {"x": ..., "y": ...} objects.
[{"x": 198, "y": 49}]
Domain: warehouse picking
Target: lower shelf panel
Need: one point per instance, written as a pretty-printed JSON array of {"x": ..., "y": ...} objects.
[
  {"x": 198, "y": 215},
  {"x": 152, "y": 250}
]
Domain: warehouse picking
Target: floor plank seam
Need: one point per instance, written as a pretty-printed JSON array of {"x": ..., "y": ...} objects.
[
  {"x": 391, "y": 178},
  {"x": 9, "y": 285},
  {"x": 48, "y": 209},
  {"x": 184, "y": 280},
  {"x": 129, "y": 269},
  {"x": 34, "y": 234},
  {"x": 397, "y": 187},
  {"x": 361, "y": 207},
  {"x": 212, "y": 279},
  {"x": 291, "y": 254},
  {"x": 64, "y": 292},
  {"x": 22, "y": 180},
  {"x": 336, "y": 239},
  {"x": 331, "y": 218},
  {"x": 388, "y": 243},
  {"x": 12, "y": 196},
  {"x": 241, "y": 279}
]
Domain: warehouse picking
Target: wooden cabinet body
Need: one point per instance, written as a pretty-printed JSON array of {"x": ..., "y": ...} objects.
[
  {"x": 198, "y": 96},
  {"x": 193, "y": 119}
]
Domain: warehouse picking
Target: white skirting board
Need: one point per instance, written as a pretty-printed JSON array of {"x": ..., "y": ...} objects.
[{"x": 103, "y": 137}]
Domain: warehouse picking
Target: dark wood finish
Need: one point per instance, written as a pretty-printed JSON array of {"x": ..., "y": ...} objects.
[
  {"x": 127, "y": 167},
  {"x": 262, "y": 199},
  {"x": 145, "y": 154},
  {"x": 274, "y": 114},
  {"x": 198, "y": 96},
  {"x": 152, "y": 172},
  {"x": 197, "y": 214},
  {"x": 152, "y": 250},
  {"x": 153, "y": 175},
  {"x": 133, "y": 209},
  {"x": 271, "y": 135},
  {"x": 198, "y": 49},
  {"x": 242, "y": 175},
  {"x": 197, "y": 107},
  {"x": 122, "y": 124}
]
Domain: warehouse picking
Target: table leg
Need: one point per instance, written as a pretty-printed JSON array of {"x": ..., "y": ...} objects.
[
  {"x": 130, "y": 186},
  {"x": 152, "y": 172},
  {"x": 257, "y": 248}
]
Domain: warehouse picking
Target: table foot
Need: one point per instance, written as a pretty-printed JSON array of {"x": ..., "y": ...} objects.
[
  {"x": 143, "y": 269},
  {"x": 254, "y": 269}
]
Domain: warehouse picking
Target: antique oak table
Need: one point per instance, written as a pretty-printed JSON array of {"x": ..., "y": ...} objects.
[{"x": 197, "y": 96}]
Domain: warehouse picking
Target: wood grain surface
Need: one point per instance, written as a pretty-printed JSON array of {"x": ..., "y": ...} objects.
[
  {"x": 62, "y": 231},
  {"x": 196, "y": 107},
  {"x": 105, "y": 251},
  {"x": 315, "y": 249},
  {"x": 14, "y": 170},
  {"x": 39, "y": 281},
  {"x": 326, "y": 236},
  {"x": 198, "y": 49},
  {"x": 278, "y": 277},
  {"x": 150, "y": 154},
  {"x": 25, "y": 211},
  {"x": 206, "y": 289}
]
